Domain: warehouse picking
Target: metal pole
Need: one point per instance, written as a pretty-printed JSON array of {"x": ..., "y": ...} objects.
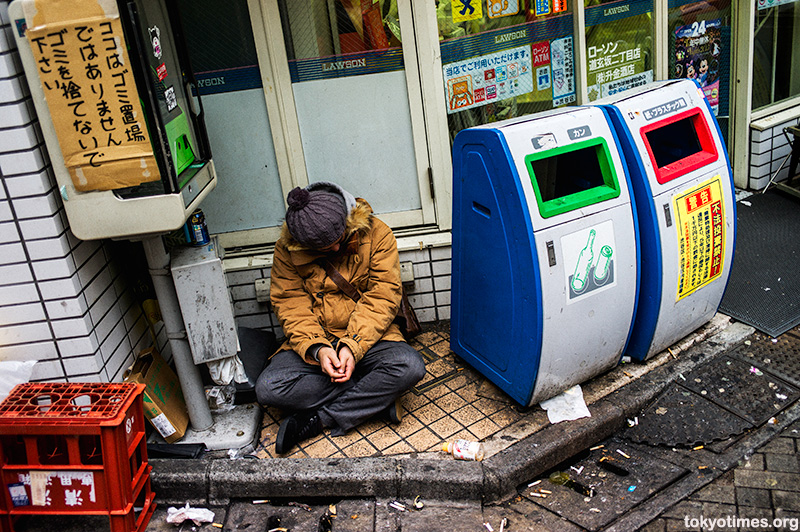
[{"x": 188, "y": 372}]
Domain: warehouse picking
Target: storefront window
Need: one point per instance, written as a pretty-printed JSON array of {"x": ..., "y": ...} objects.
[
  {"x": 619, "y": 45},
  {"x": 700, "y": 46},
  {"x": 353, "y": 104},
  {"x": 248, "y": 194},
  {"x": 776, "y": 51},
  {"x": 505, "y": 58}
]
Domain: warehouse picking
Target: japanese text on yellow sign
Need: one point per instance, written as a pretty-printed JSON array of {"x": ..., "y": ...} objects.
[
  {"x": 700, "y": 220},
  {"x": 88, "y": 83}
]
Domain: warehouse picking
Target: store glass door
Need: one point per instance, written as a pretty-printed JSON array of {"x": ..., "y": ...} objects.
[
  {"x": 359, "y": 118},
  {"x": 247, "y": 206}
]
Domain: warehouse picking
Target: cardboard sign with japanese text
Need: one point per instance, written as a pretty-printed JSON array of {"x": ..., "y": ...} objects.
[{"x": 88, "y": 83}]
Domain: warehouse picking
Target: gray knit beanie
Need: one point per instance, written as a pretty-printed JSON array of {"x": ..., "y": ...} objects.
[{"x": 316, "y": 217}]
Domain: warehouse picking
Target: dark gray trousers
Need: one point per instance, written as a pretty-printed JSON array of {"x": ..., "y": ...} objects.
[{"x": 381, "y": 376}]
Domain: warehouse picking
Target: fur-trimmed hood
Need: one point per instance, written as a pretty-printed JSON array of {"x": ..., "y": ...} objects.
[{"x": 358, "y": 221}]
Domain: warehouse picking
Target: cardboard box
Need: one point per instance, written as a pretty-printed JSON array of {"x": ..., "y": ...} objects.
[{"x": 163, "y": 399}]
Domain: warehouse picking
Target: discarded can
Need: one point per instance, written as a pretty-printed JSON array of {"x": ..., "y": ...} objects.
[
  {"x": 197, "y": 229},
  {"x": 464, "y": 449}
]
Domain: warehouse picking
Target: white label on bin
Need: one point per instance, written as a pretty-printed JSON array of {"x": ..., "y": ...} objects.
[
  {"x": 163, "y": 426},
  {"x": 664, "y": 109},
  {"x": 577, "y": 133},
  {"x": 39, "y": 492},
  {"x": 589, "y": 260}
]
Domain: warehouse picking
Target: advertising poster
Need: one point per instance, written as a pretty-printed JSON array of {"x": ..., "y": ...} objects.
[
  {"x": 700, "y": 221},
  {"x": 698, "y": 47},
  {"x": 615, "y": 67},
  {"x": 766, "y": 4},
  {"x": 502, "y": 8},
  {"x": 482, "y": 80},
  {"x": 563, "y": 66}
]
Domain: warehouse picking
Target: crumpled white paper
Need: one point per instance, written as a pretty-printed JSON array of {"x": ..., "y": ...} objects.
[
  {"x": 226, "y": 370},
  {"x": 177, "y": 516},
  {"x": 566, "y": 407},
  {"x": 13, "y": 372}
]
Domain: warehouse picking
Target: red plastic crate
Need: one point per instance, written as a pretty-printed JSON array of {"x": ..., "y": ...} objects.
[{"x": 75, "y": 449}]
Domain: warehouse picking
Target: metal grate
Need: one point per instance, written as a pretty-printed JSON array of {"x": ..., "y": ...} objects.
[
  {"x": 682, "y": 418},
  {"x": 780, "y": 356},
  {"x": 742, "y": 388}
]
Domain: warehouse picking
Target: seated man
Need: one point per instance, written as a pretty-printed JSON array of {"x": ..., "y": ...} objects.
[{"x": 343, "y": 361}]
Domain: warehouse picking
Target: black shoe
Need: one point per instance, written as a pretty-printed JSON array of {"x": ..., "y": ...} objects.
[
  {"x": 394, "y": 412},
  {"x": 296, "y": 428}
]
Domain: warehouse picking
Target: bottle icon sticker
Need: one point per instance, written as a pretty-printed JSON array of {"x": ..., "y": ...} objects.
[
  {"x": 582, "y": 269},
  {"x": 602, "y": 268},
  {"x": 589, "y": 260}
]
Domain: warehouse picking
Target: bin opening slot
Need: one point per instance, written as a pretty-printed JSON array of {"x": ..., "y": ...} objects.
[
  {"x": 679, "y": 144},
  {"x": 573, "y": 176}
]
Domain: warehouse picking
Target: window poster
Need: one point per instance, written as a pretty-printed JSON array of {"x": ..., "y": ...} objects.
[
  {"x": 697, "y": 56},
  {"x": 766, "y": 4},
  {"x": 484, "y": 79},
  {"x": 86, "y": 75},
  {"x": 616, "y": 66},
  {"x": 562, "y": 63}
]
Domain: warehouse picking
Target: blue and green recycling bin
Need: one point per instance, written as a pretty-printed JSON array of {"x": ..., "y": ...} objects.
[
  {"x": 544, "y": 256},
  {"x": 683, "y": 188}
]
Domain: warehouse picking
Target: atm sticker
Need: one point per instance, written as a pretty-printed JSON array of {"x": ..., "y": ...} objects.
[
  {"x": 700, "y": 220},
  {"x": 543, "y": 78},
  {"x": 589, "y": 260}
]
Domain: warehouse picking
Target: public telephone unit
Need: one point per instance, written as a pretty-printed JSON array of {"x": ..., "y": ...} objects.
[{"x": 112, "y": 87}]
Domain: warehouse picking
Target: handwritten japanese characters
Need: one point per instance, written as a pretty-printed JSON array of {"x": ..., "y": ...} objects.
[{"x": 88, "y": 82}]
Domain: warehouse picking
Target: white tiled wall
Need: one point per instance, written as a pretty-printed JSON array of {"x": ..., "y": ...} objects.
[
  {"x": 63, "y": 302},
  {"x": 769, "y": 149}
]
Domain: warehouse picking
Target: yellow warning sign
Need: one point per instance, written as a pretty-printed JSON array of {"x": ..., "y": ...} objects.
[{"x": 700, "y": 221}]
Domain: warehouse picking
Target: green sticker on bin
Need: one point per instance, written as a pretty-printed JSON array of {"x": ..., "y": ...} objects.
[{"x": 573, "y": 176}]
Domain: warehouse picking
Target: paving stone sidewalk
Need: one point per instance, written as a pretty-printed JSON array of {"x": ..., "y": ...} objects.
[{"x": 765, "y": 486}]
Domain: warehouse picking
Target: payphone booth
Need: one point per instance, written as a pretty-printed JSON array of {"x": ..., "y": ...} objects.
[
  {"x": 544, "y": 259},
  {"x": 683, "y": 186},
  {"x": 111, "y": 84}
]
